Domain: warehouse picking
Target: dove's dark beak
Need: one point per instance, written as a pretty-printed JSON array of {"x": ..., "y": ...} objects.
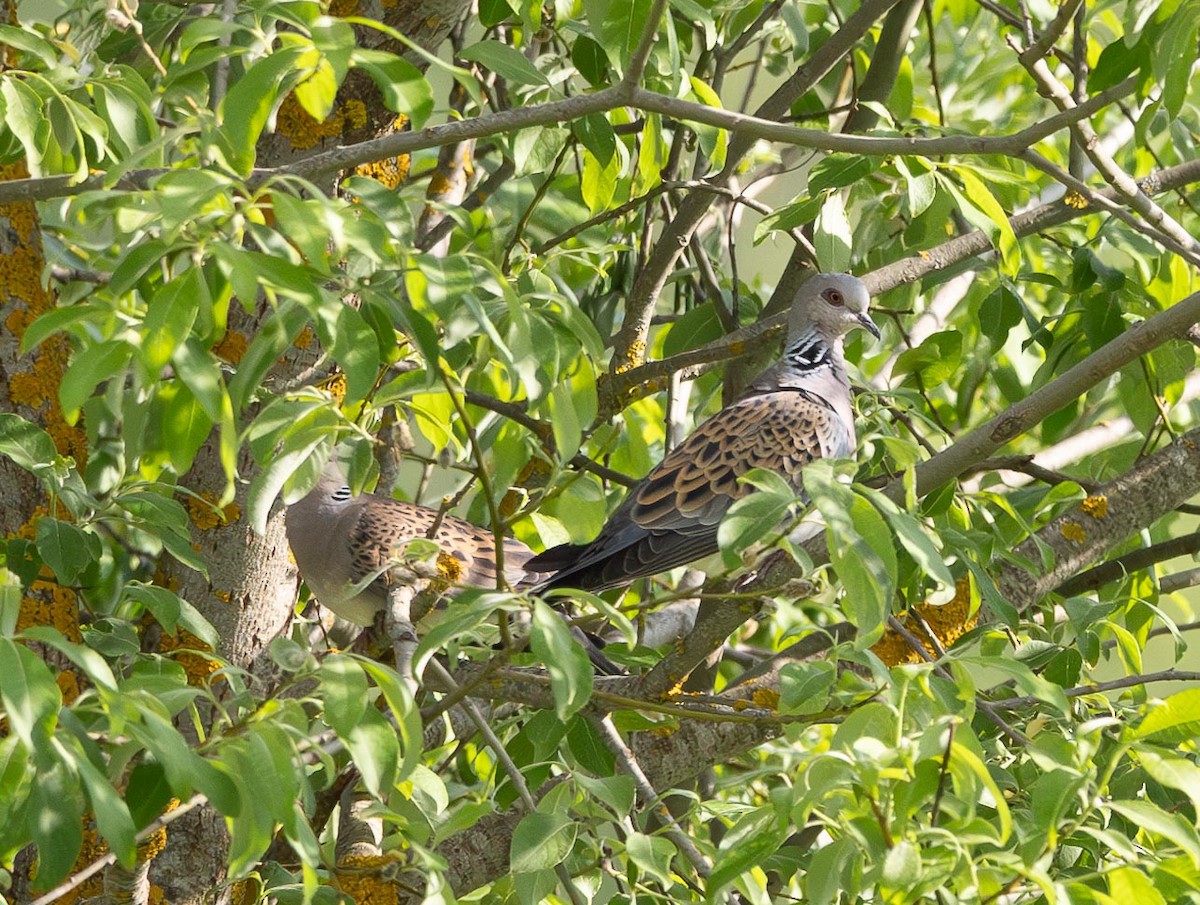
[{"x": 868, "y": 324}]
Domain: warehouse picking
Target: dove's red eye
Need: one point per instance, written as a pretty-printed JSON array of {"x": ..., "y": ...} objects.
[{"x": 834, "y": 297}]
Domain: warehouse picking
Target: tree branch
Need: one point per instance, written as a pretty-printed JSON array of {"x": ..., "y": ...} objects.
[
  {"x": 1118, "y": 568},
  {"x": 621, "y": 389},
  {"x": 1019, "y": 417},
  {"x": 1141, "y": 496}
]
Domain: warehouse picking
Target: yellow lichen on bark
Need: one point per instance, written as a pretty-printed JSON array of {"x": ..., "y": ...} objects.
[
  {"x": 35, "y": 385},
  {"x": 1095, "y": 506},
  {"x": 1073, "y": 531},
  {"x": 206, "y": 515},
  {"x": 369, "y": 879},
  {"x": 49, "y": 603},
  {"x": 303, "y": 131},
  {"x": 231, "y": 347},
  {"x": 199, "y": 668},
  {"x": 948, "y": 622}
]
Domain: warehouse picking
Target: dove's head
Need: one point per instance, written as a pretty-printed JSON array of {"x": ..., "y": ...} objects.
[{"x": 836, "y": 303}]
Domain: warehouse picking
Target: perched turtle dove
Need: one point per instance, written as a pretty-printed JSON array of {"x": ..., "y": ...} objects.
[
  {"x": 340, "y": 541},
  {"x": 796, "y": 411}
]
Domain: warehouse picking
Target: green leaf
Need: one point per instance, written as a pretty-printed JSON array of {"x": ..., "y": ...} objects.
[
  {"x": 901, "y": 870},
  {"x": 66, "y": 548},
  {"x": 30, "y": 42},
  {"x": 598, "y": 183},
  {"x": 747, "y": 844},
  {"x": 860, "y": 546},
  {"x": 753, "y": 517},
  {"x": 403, "y": 87},
  {"x": 345, "y": 690},
  {"x": 1130, "y": 886},
  {"x": 790, "y": 216},
  {"x": 617, "y": 24},
  {"x": 568, "y": 432},
  {"x": 90, "y": 366},
  {"x": 1174, "y": 773},
  {"x": 975, "y": 199},
  {"x": 652, "y": 855},
  {"x": 913, "y": 537},
  {"x": 1149, "y": 818},
  {"x": 963, "y": 757},
  {"x": 373, "y": 746},
  {"x": 172, "y": 612},
  {"x": 836, "y": 171},
  {"x": 24, "y": 116},
  {"x": 936, "y": 359},
  {"x": 541, "y": 841},
  {"x": 505, "y": 61},
  {"x": 999, "y": 312},
  {"x": 713, "y": 140},
  {"x": 112, "y": 816},
  {"x": 570, "y": 670},
  {"x": 170, "y": 313},
  {"x": 250, "y": 101},
  {"x": 591, "y": 61},
  {"x": 25, "y": 443},
  {"x": 94, "y": 666},
  {"x": 408, "y": 718},
  {"x": 919, "y": 184},
  {"x": 1174, "y": 720},
  {"x": 832, "y": 236},
  {"x": 1176, "y": 56},
  {"x": 54, "y": 818},
  {"x": 29, "y": 693},
  {"x": 596, "y": 134},
  {"x": 805, "y": 687},
  {"x": 615, "y": 791}
]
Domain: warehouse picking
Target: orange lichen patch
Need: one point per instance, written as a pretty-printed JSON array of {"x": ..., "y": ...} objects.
[
  {"x": 163, "y": 580},
  {"x": 303, "y": 131},
  {"x": 1073, "y": 531},
  {"x": 1095, "y": 506},
  {"x": 68, "y": 684},
  {"x": 231, "y": 348},
  {"x": 156, "y": 896},
  {"x": 304, "y": 338},
  {"x": 1076, "y": 200},
  {"x": 35, "y": 387},
  {"x": 206, "y": 515},
  {"x": 49, "y": 603},
  {"x": 449, "y": 569},
  {"x": 28, "y": 529},
  {"x": 948, "y": 622},
  {"x": 767, "y": 698},
  {"x": 343, "y": 8},
  {"x": 369, "y": 879},
  {"x": 633, "y": 358},
  {"x": 391, "y": 171},
  {"x": 199, "y": 668},
  {"x": 335, "y": 385},
  {"x": 355, "y": 112}
]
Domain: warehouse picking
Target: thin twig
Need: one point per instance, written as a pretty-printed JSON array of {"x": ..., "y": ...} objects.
[
  {"x": 81, "y": 876},
  {"x": 510, "y": 768},
  {"x": 987, "y": 708},
  {"x": 628, "y": 762},
  {"x": 1166, "y": 675}
]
